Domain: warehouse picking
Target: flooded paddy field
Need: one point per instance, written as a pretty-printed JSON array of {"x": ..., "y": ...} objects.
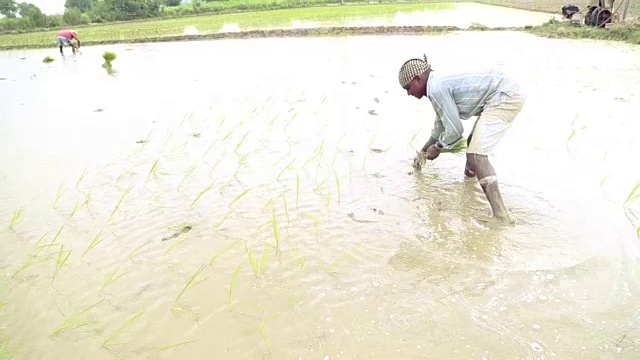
[{"x": 252, "y": 199}]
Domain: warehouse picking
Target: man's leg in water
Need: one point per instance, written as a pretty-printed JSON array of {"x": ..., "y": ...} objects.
[{"x": 488, "y": 130}]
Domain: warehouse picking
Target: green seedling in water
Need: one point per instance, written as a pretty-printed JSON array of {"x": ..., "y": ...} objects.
[
  {"x": 81, "y": 177},
  {"x": 186, "y": 175},
  {"x": 244, "y": 137},
  {"x": 113, "y": 278},
  {"x": 124, "y": 194},
  {"x": 252, "y": 260},
  {"x": 217, "y": 255},
  {"x": 40, "y": 239},
  {"x": 234, "y": 279},
  {"x": 154, "y": 169},
  {"x": 633, "y": 195},
  {"x": 133, "y": 253},
  {"x": 192, "y": 281},
  {"x": 337, "y": 186},
  {"x": 61, "y": 261},
  {"x": 263, "y": 260},
  {"x": 73, "y": 212},
  {"x": 14, "y": 220},
  {"x": 96, "y": 240},
  {"x": 118, "y": 332},
  {"x": 174, "y": 245},
  {"x": 75, "y": 321},
  {"x": 286, "y": 208},
  {"x": 239, "y": 197},
  {"x": 288, "y": 167},
  {"x": 30, "y": 262},
  {"x": 108, "y": 57},
  {"x": 276, "y": 232},
  {"x": 5, "y": 352},
  {"x": 264, "y": 336},
  {"x": 176, "y": 345},
  {"x": 202, "y": 193},
  {"x": 48, "y": 59},
  {"x": 58, "y": 196},
  {"x": 225, "y": 218},
  {"x": 53, "y": 241}
]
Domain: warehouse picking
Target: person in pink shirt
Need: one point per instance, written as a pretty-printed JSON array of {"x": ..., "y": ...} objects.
[{"x": 65, "y": 37}]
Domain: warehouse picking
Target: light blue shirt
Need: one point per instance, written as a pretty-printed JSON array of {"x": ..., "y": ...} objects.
[{"x": 459, "y": 96}]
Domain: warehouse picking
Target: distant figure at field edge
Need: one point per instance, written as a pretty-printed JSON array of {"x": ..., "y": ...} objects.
[
  {"x": 493, "y": 97},
  {"x": 65, "y": 37}
]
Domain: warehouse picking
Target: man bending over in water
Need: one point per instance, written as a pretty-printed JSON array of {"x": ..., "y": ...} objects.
[
  {"x": 492, "y": 96},
  {"x": 65, "y": 37}
]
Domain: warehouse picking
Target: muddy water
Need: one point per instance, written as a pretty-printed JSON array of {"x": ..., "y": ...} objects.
[{"x": 153, "y": 192}]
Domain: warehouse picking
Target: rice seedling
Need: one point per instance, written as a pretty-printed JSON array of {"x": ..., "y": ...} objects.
[
  {"x": 225, "y": 218},
  {"x": 154, "y": 169},
  {"x": 187, "y": 173},
  {"x": 286, "y": 208},
  {"x": 40, "y": 239},
  {"x": 82, "y": 175},
  {"x": 135, "y": 251},
  {"x": 113, "y": 278},
  {"x": 124, "y": 194},
  {"x": 176, "y": 345},
  {"x": 460, "y": 146},
  {"x": 413, "y": 137},
  {"x": 174, "y": 245},
  {"x": 234, "y": 279},
  {"x": 192, "y": 281},
  {"x": 108, "y": 57},
  {"x": 276, "y": 232},
  {"x": 76, "y": 320},
  {"x": 59, "y": 195},
  {"x": 47, "y": 59},
  {"x": 244, "y": 137},
  {"x": 61, "y": 261},
  {"x": 15, "y": 218},
  {"x": 288, "y": 167},
  {"x": 201, "y": 193},
  {"x": 53, "y": 241},
  {"x": 96, "y": 240},
  {"x": 30, "y": 262},
  {"x": 252, "y": 260},
  {"x": 319, "y": 187},
  {"x": 263, "y": 260},
  {"x": 633, "y": 194},
  {"x": 240, "y": 196},
  {"x": 5, "y": 351},
  {"x": 116, "y": 334},
  {"x": 73, "y": 212},
  {"x": 264, "y": 336},
  {"x": 224, "y": 250}
]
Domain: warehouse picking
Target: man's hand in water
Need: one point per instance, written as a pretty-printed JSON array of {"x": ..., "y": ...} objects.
[
  {"x": 433, "y": 152},
  {"x": 419, "y": 160}
]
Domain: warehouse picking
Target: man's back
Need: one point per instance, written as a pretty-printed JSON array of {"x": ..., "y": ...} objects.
[
  {"x": 471, "y": 90},
  {"x": 67, "y": 34}
]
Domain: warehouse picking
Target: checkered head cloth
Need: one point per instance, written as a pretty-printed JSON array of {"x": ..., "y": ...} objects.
[{"x": 412, "y": 68}]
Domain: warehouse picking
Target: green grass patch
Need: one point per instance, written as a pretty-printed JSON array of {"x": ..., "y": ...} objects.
[{"x": 626, "y": 32}]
